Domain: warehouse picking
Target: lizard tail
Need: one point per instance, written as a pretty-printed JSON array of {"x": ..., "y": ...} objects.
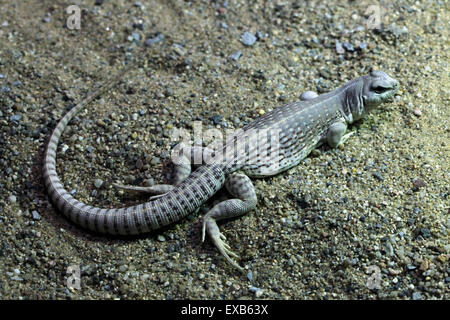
[{"x": 138, "y": 219}]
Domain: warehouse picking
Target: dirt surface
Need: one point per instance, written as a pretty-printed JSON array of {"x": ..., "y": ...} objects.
[{"x": 366, "y": 221}]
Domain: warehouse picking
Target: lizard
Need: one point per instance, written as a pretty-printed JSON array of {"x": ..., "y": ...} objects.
[{"x": 291, "y": 132}]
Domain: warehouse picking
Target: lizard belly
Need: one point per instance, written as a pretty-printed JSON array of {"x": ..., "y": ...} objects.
[{"x": 280, "y": 161}]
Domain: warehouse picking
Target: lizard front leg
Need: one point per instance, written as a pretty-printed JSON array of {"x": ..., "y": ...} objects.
[
  {"x": 336, "y": 134},
  {"x": 240, "y": 186}
]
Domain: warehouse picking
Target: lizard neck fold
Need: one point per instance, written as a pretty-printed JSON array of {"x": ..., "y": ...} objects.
[{"x": 352, "y": 101}]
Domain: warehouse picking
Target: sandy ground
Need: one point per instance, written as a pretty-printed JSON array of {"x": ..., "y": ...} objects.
[{"x": 366, "y": 221}]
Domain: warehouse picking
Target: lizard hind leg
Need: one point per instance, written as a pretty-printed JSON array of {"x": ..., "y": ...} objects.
[
  {"x": 241, "y": 187},
  {"x": 182, "y": 169}
]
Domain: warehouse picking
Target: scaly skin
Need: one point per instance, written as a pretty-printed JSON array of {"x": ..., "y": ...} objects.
[{"x": 269, "y": 145}]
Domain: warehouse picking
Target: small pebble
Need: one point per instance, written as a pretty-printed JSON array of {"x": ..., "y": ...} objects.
[
  {"x": 339, "y": 48},
  {"x": 424, "y": 232},
  {"x": 248, "y": 38},
  {"x": 136, "y": 36},
  {"x": 98, "y": 183},
  {"x": 178, "y": 49},
  {"x": 216, "y": 119},
  {"x": 158, "y": 38},
  {"x": 12, "y": 198},
  {"x": 378, "y": 176},
  {"x": 416, "y": 296},
  {"x": 155, "y": 161},
  {"x": 394, "y": 272},
  {"x": 257, "y": 291},
  {"x": 123, "y": 268},
  {"x": 235, "y": 56},
  {"x": 35, "y": 215},
  {"x": 417, "y": 112},
  {"x": 160, "y": 238},
  {"x": 418, "y": 183},
  {"x": 424, "y": 265},
  {"x": 139, "y": 164},
  {"x": 348, "y": 46},
  {"x": 389, "y": 249},
  {"x": 15, "y": 118},
  {"x": 397, "y": 31},
  {"x": 308, "y": 95},
  {"x": 64, "y": 148}
]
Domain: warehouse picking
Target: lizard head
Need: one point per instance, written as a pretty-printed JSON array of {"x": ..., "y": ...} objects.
[
  {"x": 366, "y": 92},
  {"x": 378, "y": 88}
]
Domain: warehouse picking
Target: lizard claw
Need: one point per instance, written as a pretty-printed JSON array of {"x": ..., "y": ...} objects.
[
  {"x": 156, "y": 197},
  {"x": 345, "y": 138},
  {"x": 224, "y": 249},
  {"x": 203, "y": 230},
  {"x": 218, "y": 238}
]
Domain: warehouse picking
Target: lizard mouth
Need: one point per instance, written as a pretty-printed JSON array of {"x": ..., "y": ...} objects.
[
  {"x": 381, "y": 89},
  {"x": 385, "y": 88}
]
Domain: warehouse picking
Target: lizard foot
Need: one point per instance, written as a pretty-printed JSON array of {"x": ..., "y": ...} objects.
[
  {"x": 345, "y": 138},
  {"x": 241, "y": 187},
  {"x": 158, "y": 190},
  {"x": 218, "y": 239}
]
